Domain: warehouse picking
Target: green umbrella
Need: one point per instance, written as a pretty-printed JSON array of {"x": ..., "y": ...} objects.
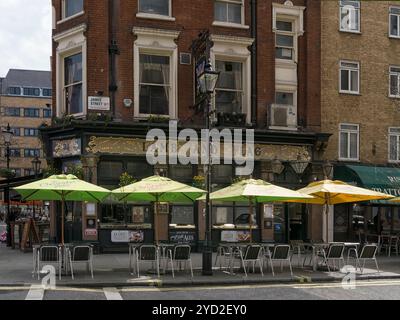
[
  {"x": 62, "y": 188},
  {"x": 255, "y": 191},
  {"x": 158, "y": 189}
]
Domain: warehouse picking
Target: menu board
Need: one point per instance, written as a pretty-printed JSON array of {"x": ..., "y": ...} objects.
[
  {"x": 182, "y": 215},
  {"x": 179, "y": 236}
]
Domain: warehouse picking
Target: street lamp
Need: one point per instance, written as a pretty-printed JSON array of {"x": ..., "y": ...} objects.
[
  {"x": 7, "y": 134},
  {"x": 208, "y": 81},
  {"x": 327, "y": 168},
  {"x": 277, "y": 166},
  {"x": 36, "y": 165},
  {"x": 299, "y": 166}
]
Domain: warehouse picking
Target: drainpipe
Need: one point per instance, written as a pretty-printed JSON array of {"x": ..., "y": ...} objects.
[
  {"x": 253, "y": 4},
  {"x": 113, "y": 52}
]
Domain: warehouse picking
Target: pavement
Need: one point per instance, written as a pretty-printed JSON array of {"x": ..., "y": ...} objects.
[{"x": 112, "y": 270}]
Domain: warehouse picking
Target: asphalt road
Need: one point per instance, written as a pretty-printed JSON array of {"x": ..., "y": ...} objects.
[{"x": 365, "y": 290}]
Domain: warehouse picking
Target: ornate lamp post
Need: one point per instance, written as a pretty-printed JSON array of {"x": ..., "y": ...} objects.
[
  {"x": 7, "y": 134},
  {"x": 327, "y": 168},
  {"x": 36, "y": 166},
  {"x": 299, "y": 166},
  {"x": 208, "y": 81}
]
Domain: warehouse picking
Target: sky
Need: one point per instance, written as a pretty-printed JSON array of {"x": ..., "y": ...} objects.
[{"x": 25, "y": 35}]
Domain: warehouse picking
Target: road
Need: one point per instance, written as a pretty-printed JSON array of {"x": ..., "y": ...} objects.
[{"x": 365, "y": 290}]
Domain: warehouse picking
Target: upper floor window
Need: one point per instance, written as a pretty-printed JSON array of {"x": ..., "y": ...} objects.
[
  {"x": 349, "y": 142},
  {"x": 349, "y": 16},
  {"x": 394, "y": 75},
  {"x": 47, "y": 113},
  {"x": 284, "y": 98},
  {"x": 72, "y": 8},
  {"x": 34, "y": 92},
  {"x": 229, "y": 90},
  {"x": 394, "y": 22},
  {"x": 15, "y": 153},
  {"x": 31, "y": 153},
  {"x": 229, "y": 11},
  {"x": 349, "y": 77},
  {"x": 73, "y": 80},
  {"x": 31, "y": 132},
  {"x": 46, "y": 92},
  {"x": 284, "y": 40},
  {"x": 12, "y": 112},
  {"x": 16, "y": 132},
  {"x": 15, "y": 91},
  {"x": 32, "y": 112},
  {"x": 157, "y": 7},
  {"x": 394, "y": 144},
  {"x": 155, "y": 86}
]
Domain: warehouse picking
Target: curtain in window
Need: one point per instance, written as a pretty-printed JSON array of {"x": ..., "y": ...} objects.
[
  {"x": 220, "y": 11},
  {"x": 73, "y": 83},
  {"x": 393, "y": 148}
]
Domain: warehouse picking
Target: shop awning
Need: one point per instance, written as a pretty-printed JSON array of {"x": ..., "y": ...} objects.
[{"x": 381, "y": 179}]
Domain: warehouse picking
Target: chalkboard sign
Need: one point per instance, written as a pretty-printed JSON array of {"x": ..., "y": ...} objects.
[
  {"x": 182, "y": 215},
  {"x": 179, "y": 236}
]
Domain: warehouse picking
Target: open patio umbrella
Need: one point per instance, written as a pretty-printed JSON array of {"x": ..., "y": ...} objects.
[
  {"x": 256, "y": 191},
  {"x": 329, "y": 192},
  {"x": 158, "y": 189},
  {"x": 62, "y": 188}
]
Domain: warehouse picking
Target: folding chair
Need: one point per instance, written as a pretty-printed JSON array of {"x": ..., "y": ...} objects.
[
  {"x": 181, "y": 253},
  {"x": 335, "y": 253},
  {"x": 281, "y": 253},
  {"x": 148, "y": 253},
  {"x": 368, "y": 252},
  {"x": 49, "y": 255},
  {"x": 253, "y": 254},
  {"x": 81, "y": 254}
]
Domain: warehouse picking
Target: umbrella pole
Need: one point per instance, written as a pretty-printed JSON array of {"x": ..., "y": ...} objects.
[
  {"x": 62, "y": 219},
  {"x": 155, "y": 222},
  {"x": 251, "y": 219}
]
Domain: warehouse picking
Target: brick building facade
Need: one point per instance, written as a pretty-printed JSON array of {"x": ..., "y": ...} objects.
[{"x": 129, "y": 54}]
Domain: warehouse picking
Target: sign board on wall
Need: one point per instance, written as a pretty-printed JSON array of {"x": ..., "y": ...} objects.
[
  {"x": 235, "y": 236},
  {"x": 67, "y": 148},
  {"x": 178, "y": 236},
  {"x": 99, "y": 103},
  {"x": 125, "y": 236},
  {"x": 91, "y": 233}
]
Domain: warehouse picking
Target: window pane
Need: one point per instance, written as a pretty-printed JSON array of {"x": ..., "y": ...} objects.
[
  {"x": 154, "y": 100},
  {"x": 284, "y": 41},
  {"x": 353, "y": 145},
  {"x": 110, "y": 170},
  {"x": 354, "y": 81},
  {"x": 284, "y": 26},
  {"x": 350, "y": 18},
  {"x": 222, "y": 215},
  {"x": 344, "y": 76},
  {"x": 393, "y": 148},
  {"x": 220, "y": 11},
  {"x": 284, "y": 98},
  {"x": 74, "y": 100},
  {"x": 154, "y": 7},
  {"x": 344, "y": 146},
  {"x": 284, "y": 53},
  {"x": 394, "y": 85},
  {"x": 139, "y": 169},
  {"x": 234, "y": 13},
  {"x": 230, "y": 76},
  {"x": 228, "y": 101},
  {"x": 154, "y": 69},
  {"x": 73, "y": 7},
  {"x": 394, "y": 27},
  {"x": 73, "y": 69}
]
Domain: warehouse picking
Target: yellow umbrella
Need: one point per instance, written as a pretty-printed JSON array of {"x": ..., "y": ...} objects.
[
  {"x": 329, "y": 192},
  {"x": 395, "y": 199}
]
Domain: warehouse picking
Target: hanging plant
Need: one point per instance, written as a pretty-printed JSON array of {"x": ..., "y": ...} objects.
[
  {"x": 126, "y": 179},
  {"x": 199, "y": 182},
  {"x": 7, "y": 173}
]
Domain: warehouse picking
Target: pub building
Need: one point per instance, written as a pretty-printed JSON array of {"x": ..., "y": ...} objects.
[{"x": 131, "y": 71}]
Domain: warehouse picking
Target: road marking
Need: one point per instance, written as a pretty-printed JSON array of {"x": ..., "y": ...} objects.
[
  {"x": 112, "y": 294},
  {"x": 36, "y": 292}
]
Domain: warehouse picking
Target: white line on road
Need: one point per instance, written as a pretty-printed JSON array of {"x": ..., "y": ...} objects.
[
  {"x": 36, "y": 292},
  {"x": 112, "y": 294}
]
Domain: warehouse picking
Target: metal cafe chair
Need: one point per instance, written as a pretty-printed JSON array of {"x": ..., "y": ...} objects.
[
  {"x": 224, "y": 253},
  {"x": 148, "y": 253},
  {"x": 368, "y": 252},
  {"x": 181, "y": 254},
  {"x": 335, "y": 253},
  {"x": 81, "y": 254},
  {"x": 281, "y": 253},
  {"x": 252, "y": 254},
  {"x": 49, "y": 255}
]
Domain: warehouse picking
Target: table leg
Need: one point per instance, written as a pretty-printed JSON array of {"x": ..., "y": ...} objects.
[{"x": 314, "y": 258}]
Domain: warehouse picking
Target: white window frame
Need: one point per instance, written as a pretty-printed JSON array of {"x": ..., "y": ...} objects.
[
  {"x": 397, "y": 96},
  {"x": 359, "y": 18},
  {"x": 348, "y": 131},
  {"x": 390, "y": 20},
  {"x": 155, "y": 16},
  {"x": 70, "y": 42},
  {"x": 349, "y": 69},
  {"x": 63, "y": 12},
  {"x": 240, "y": 25},
  {"x": 287, "y": 33},
  {"x": 397, "y": 135},
  {"x": 235, "y": 49},
  {"x": 156, "y": 42}
]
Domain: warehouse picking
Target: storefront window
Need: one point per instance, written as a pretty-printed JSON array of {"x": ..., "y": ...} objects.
[
  {"x": 139, "y": 169},
  {"x": 181, "y": 173},
  {"x": 231, "y": 216},
  {"x": 120, "y": 214},
  {"x": 182, "y": 216}
]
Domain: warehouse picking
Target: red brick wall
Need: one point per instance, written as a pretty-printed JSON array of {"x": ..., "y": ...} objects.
[{"x": 192, "y": 17}]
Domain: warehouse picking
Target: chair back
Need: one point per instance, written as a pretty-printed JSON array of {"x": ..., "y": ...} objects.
[
  {"x": 335, "y": 251},
  {"x": 281, "y": 252},
  {"x": 81, "y": 253},
  {"x": 49, "y": 254},
  {"x": 182, "y": 252},
  {"x": 369, "y": 251},
  {"x": 148, "y": 252},
  {"x": 252, "y": 252}
]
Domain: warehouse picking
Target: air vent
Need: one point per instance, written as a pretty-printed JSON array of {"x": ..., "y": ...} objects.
[{"x": 185, "y": 58}]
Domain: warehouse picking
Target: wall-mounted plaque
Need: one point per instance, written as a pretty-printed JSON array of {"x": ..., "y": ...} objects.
[
  {"x": 67, "y": 148},
  {"x": 99, "y": 103}
]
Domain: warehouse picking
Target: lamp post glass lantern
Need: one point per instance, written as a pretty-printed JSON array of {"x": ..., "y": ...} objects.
[
  {"x": 208, "y": 81},
  {"x": 36, "y": 165},
  {"x": 299, "y": 167},
  {"x": 327, "y": 168}
]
